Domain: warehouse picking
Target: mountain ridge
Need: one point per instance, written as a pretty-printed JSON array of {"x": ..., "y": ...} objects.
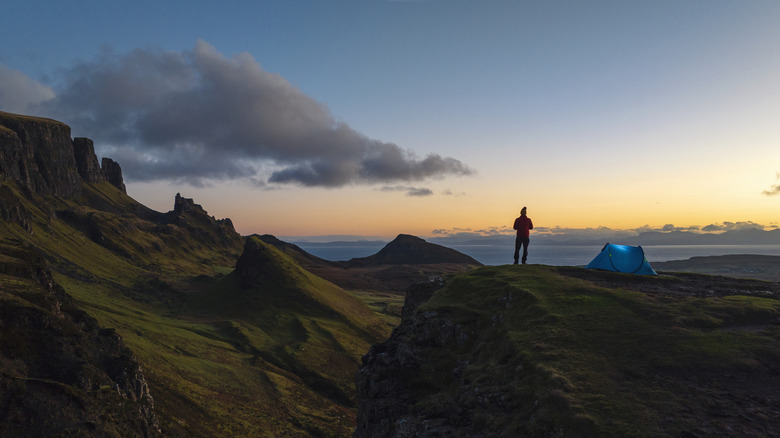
[
  {"x": 235, "y": 336},
  {"x": 252, "y": 336},
  {"x": 408, "y": 249},
  {"x": 40, "y": 156},
  {"x": 141, "y": 272}
]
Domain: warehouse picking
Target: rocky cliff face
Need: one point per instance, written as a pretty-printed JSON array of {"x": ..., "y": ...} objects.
[
  {"x": 12, "y": 209},
  {"x": 113, "y": 173},
  {"x": 387, "y": 394},
  {"x": 86, "y": 161},
  {"x": 38, "y": 153},
  {"x": 60, "y": 373},
  {"x": 192, "y": 217},
  {"x": 40, "y": 156}
]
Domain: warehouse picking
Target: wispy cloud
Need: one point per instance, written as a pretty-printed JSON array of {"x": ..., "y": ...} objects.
[
  {"x": 19, "y": 93},
  {"x": 774, "y": 189},
  {"x": 198, "y": 115},
  {"x": 733, "y": 226},
  {"x": 449, "y": 192},
  {"x": 410, "y": 191},
  {"x": 563, "y": 233},
  {"x": 667, "y": 228}
]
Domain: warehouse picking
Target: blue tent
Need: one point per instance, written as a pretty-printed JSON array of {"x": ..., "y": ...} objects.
[{"x": 622, "y": 258}]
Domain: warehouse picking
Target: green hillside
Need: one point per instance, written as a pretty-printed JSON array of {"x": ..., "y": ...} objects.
[
  {"x": 546, "y": 351},
  {"x": 61, "y": 374},
  {"x": 118, "y": 320},
  {"x": 221, "y": 358}
]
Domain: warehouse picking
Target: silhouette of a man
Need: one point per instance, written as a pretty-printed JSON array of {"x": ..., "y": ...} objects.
[{"x": 523, "y": 225}]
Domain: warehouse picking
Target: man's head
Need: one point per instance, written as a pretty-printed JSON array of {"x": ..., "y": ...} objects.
[{"x": 523, "y": 211}]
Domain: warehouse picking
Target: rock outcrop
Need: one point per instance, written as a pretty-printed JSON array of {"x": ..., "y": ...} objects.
[
  {"x": 192, "y": 217},
  {"x": 387, "y": 394},
  {"x": 39, "y": 155},
  {"x": 86, "y": 161},
  {"x": 113, "y": 173},
  {"x": 12, "y": 209},
  {"x": 60, "y": 373},
  {"x": 412, "y": 250}
]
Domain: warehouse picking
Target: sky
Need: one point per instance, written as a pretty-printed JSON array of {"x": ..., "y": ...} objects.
[{"x": 432, "y": 118}]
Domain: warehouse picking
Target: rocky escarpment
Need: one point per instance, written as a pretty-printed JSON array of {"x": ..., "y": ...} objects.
[
  {"x": 206, "y": 228},
  {"x": 12, "y": 209},
  {"x": 60, "y": 373},
  {"x": 412, "y": 250},
  {"x": 113, "y": 173},
  {"x": 40, "y": 156},
  {"x": 38, "y": 153},
  {"x": 86, "y": 161},
  {"x": 185, "y": 234},
  {"x": 389, "y": 388}
]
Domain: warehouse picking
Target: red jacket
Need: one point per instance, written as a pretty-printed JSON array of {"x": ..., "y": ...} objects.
[{"x": 523, "y": 224}]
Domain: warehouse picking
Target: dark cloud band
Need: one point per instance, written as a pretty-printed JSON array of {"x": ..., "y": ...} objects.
[{"x": 198, "y": 115}]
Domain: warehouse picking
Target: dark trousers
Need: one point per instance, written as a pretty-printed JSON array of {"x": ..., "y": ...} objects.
[{"x": 521, "y": 241}]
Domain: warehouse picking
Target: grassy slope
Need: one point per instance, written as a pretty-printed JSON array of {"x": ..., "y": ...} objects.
[
  {"x": 611, "y": 361},
  {"x": 211, "y": 373},
  {"x": 42, "y": 321}
]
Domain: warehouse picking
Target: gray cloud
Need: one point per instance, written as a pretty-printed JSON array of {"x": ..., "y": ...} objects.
[
  {"x": 455, "y": 231},
  {"x": 774, "y": 189},
  {"x": 731, "y": 226},
  {"x": 449, "y": 192},
  {"x": 19, "y": 93},
  {"x": 410, "y": 191},
  {"x": 419, "y": 192},
  {"x": 198, "y": 115},
  {"x": 667, "y": 228}
]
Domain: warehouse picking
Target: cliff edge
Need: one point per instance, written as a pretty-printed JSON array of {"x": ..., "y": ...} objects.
[{"x": 40, "y": 156}]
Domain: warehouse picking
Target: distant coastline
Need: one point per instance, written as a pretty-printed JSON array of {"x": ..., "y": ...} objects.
[
  {"x": 563, "y": 249},
  {"x": 557, "y": 255},
  {"x": 750, "y": 236}
]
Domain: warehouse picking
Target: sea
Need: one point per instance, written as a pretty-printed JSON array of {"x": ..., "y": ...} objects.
[{"x": 556, "y": 255}]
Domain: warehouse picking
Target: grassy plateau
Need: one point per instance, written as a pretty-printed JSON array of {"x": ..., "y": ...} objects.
[{"x": 561, "y": 351}]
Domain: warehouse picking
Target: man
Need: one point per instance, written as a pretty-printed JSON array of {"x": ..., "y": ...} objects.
[{"x": 523, "y": 225}]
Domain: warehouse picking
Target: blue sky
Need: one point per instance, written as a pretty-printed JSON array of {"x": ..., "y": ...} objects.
[{"x": 620, "y": 114}]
